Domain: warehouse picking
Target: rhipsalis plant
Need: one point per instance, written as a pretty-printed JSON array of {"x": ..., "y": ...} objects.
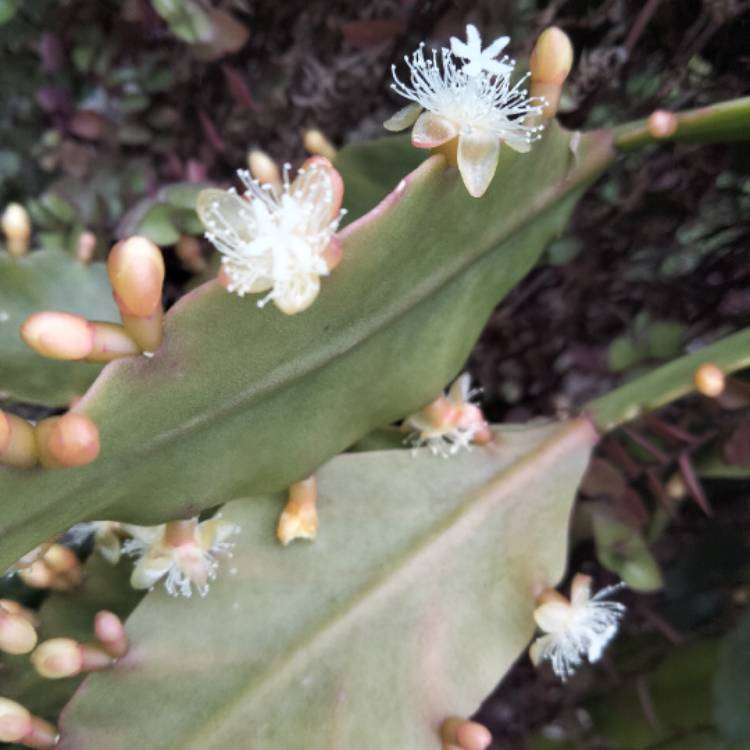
[{"x": 384, "y": 554}]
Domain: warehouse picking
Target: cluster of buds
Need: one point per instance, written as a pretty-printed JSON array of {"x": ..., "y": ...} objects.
[
  {"x": 460, "y": 734},
  {"x": 16, "y": 227},
  {"x": 449, "y": 423},
  {"x": 57, "y": 568},
  {"x": 59, "y": 658},
  {"x": 55, "y": 443},
  {"x": 18, "y": 725},
  {"x": 17, "y": 628}
]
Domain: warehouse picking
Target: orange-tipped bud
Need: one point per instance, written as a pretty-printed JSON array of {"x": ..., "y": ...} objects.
[
  {"x": 299, "y": 519},
  {"x": 316, "y": 143},
  {"x": 58, "y": 658},
  {"x": 17, "y": 634},
  {"x": 86, "y": 247},
  {"x": 58, "y": 335},
  {"x": 550, "y": 64},
  {"x": 110, "y": 632},
  {"x": 111, "y": 341},
  {"x": 468, "y": 735},
  {"x": 709, "y": 380},
  {"x": 17, "y": 444},
  {"x": 264, "y": 168},
  {"x": 15, "y": 721},
  {"x": 147, "y": 331},
  {"x": 73, "y": 440},
  {"x": 17, "y": 228},
  {"x": 42, "y": 433},
  {"x": 662, "y": 124},
  {"x": 188, "y": 250},
  {"x": 57, "y": 569},
  {"x": 136, "y": 272}
]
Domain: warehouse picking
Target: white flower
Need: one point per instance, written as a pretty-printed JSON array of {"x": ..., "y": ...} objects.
[
  {"x": 473, "y": 102},
  {"x": 183, "y": 551},
  {"x": 478, "y": 61},
  {"x": 581, "y": 627},
  {"x": 279, "y": 242},
  {"x": 449, "y": 424}
]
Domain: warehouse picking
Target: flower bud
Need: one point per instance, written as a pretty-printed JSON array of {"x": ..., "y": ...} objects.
[
  {"x": 17, "y": 228},
  {"x": 58, "y": 658},
  {"x": 188, "y": 250},
  {"x": 111, "y": 341},
  {"x": 662, "y": 124},
  {"x": 17, "y": 444},
  {"x": 86, "y": 247},
  {"x": 136, "y": 272},
  {"x": 42, "y": 432},
  {"x": 316, "y": 143},
  {"x": 58, "y": 569},
  {"x": 299, "y": 520},
  {"x": 110, "y": 633},
  {"x": 467, "y": 735},
  {"x": 146, "y": 331},
  {"x": 709, "y": 380},
  {"x": 74, "y": 440},
  {"x": 15, "y": 721},
  {"x": 550, "y": 64},
  {"x": 58, "y": 335},
  {"x": 17, "y": 634},
  {"x": 264, "y": 168}
]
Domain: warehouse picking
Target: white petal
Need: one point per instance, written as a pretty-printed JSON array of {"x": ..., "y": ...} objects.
[
  {"x": 477, "y": 160},
  {"x": 580, "y": 590},
  {"x": 431, "y": 130},
  {"x": 497, "y": 47},
  {"x": 459, "y": 391},
  {"x": 403, "y": 119},
  {"x": 226, "y": 216},
  {"x": 538, "y": 648},
  {"x": 521, "y": 144},
  {"x": 148, "y": 570}
]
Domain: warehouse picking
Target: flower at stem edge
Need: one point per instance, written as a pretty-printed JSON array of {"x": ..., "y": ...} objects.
[
  {"x": 472, "y": 103},
  {"x": 277, "y": 241},
  {"x": 574, "y": 629}
]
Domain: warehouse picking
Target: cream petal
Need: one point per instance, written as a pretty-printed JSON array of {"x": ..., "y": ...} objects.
[
  {"x": 148, "y": 570},
  {"x": 537, "y": 648},
  {"x": 227, "y": 216},
  {"x": 320, "y": 184},
  {"x": 477, "y": 161},
  {"x": 459, "y": 391},
  {"x": 553, "y": 617},
  {"x": 580, "y": 590},
  {"x": 431, "y": 130},
  {"x": 108, "y": 544},
  {"x": 403, "y": 119},
  {"x": 521, "y": 144},
  {"x": 297, "y": 294}
]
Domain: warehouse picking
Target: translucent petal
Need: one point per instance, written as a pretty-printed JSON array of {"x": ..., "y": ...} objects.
[
  {"x": 431, "y": 130},
  {"x": 538, "y": 648},
  {"x": 477, "y": 161},
  {"x": 148, "y": 570},
  {"x": 297, "y": 294},
  {"x": 521, "y": 144},
  {"x": 580, "y": 590},
  {"x": 319, "y": 185},
  {"x": 553, "y": 617},
  {"x": 227, "y": 216},
  {"x": 403, "y": 119}
]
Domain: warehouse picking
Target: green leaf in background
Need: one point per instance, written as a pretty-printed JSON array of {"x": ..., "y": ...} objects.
[
  {"x": 186, "y": 19},
  {"x": 47, "y": 280},
  {"x": 240, "y": 401},
  {"x": 414, "y": 600},
  {"x": 732, "y": 684}
]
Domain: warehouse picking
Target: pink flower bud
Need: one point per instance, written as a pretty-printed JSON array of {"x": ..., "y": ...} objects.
[
  {"x": 136, "y": 272},
  {"x": 662, "y": 124},
  {"x": 17, "y": 444},
  {"x": 17, "y": 634},
  {"x": 74, "y": 440},
  {"x": 15, "y": 721},
  {"x": 58, "y": 335},
  {"x": 58, "y": 658}
]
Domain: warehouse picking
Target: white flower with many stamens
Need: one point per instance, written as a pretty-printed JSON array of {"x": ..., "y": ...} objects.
[
  {"x": 277, "y": 241},
  {"x": 575, "y": 629},
  {"x": 473, "y": 102},
  {"x": 182, "y": 552},
  {"x": 449, "y": 423}
]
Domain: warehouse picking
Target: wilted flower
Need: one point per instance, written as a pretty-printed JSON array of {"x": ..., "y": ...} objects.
[
  {"x": 448, "y": 424},
  {"x": 108, "y": 537},
  {"x": 473, "y": 102},
  {"x": 576, "y": 628},
  {"x": 182, "y": 551},
  {"x": 279, "y": 242}
]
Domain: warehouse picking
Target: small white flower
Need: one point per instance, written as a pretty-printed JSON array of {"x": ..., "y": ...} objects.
[
  {"x": 576, "y": 629},
  {"x": 473, "y": 102},
  {"x": 449, "y": 424},
  {"x": 477, "y": 60},
  {"x": 279, "y": 242},
  {"x": 182, "y": 552}
]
